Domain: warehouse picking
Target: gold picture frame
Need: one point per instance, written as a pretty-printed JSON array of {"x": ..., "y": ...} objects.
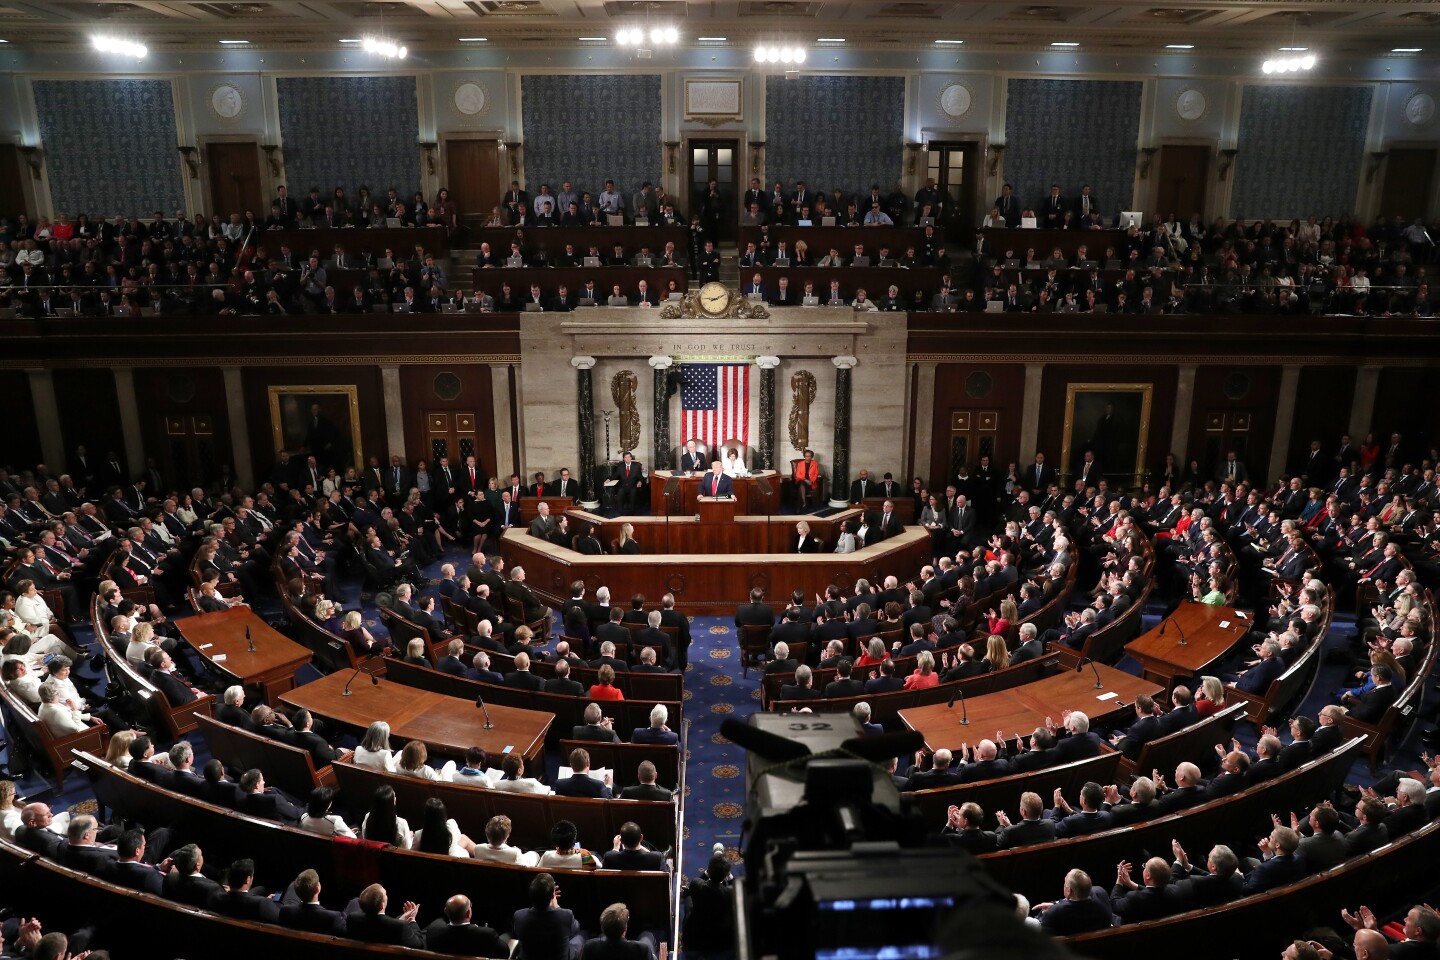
[
  {"x": 715, "y": 98},
  {"x": 339, "y": 435},
  {"x": 1131, "y": 404}
]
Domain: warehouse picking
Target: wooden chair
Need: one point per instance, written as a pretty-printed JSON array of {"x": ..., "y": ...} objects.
[
  {"x": 289, "y": 768},
  {"x": 754, "y": 646},
  {"x": 818, "y": 493},
  {"x": 22, "y": 722}
]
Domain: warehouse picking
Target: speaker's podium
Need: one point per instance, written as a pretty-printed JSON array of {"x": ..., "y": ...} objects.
[
  {"x": 717, "y": 510},
  {"x": 530, "y": 506}
]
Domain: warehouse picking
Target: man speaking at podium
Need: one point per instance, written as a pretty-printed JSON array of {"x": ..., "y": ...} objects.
[{"x": 717, "y": 484}]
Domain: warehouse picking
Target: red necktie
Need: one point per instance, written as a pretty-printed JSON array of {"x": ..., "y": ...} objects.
[
  {"x": 539, "y": 489},
  {"x": 472, "y": 476},
  {"x": 714, "y": 486}
]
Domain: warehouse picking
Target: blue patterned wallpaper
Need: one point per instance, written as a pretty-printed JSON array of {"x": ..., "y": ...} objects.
[
  {"x": 1072, "y": 132},
  {"x": 110, "y": 146},
  {"x": 834, "y": 132},
  {"x": 1300, "y": 150},
  {"x": 591, "y": 128},
  {"x": 348, "y": 131}
]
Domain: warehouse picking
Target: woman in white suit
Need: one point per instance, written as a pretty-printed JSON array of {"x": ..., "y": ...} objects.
[
  {"x": 846, "y": 542},
  {"x": 734, "y": 466},
  {"x": 32, "y": 615}
]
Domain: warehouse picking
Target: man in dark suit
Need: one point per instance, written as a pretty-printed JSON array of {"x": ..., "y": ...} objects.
[
  {"x": 692, "y": 460},
  {"x": 1258, "y": 678},
  {"x": 456, "y": 933},
  {"x": 647, "y": 788},
  {"x": 1009, "y": 206},
  {"x": 1147, "y": 727},
  {"x": 1156, "y": 897},
  {"x": 185, "y": 883},
  {"x": 82, "y": 852},
  {"x": 1079, "y": 742},
  {"x": 1371, "y": 705},
  {"x": 756, "y": 612},
  {"x": 887, "y": 524},
  {"x": 863, "y": 487},
  {"x": 1083, "y": 909},
  {"x": 1092, "y": 817},
  {"x": 371, "y": 924},
  {"x": 451, "y": 662},
  {"x": 885, "y": 681},
  {"x": 543, "y": 928},
  {"x": 130, "y": 869},
  {"x": 580, "y": 783},
  {"x": 844, "y": 685},
  {"x": 266, "y": 804},
  {"x": 940, "y": 774},
  {"x": 1034, "y": 826},
  {"x": 803, "y": 688},
  {"x": 717, "y": 484},
  {"x": 300, "y": 908},
  {"x": 237, "y": 900},
  {"x": 561, "y": 682},
  {"x": 521, "y": 678},
  {"x": 596, "y": 728},
  {"x": 671, "y": 618},
  {"x": 1038, "y": 476},
  {"x": 1280, "y": 865},
  {"x": 629, "y": 479},
  {"x": 629, "y": 853}
]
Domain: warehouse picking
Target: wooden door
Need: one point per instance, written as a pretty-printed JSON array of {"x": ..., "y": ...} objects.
[
  {"x": 1227, "y": 430},
  {"x": 1409, "y": 175},
  {"x": 235, "y": 179},
  {"x": 973, "y": 434},
  {"x": 715, "y": 160},
  {"x": 953, "y": 165},
  {"x": 1184, "y": 174},
  {"x": 451, "y": 433},
  {"x": 472, "y": 171},
  {"x": 189, "y": 449},
  {"x": 12, "y": 189}
]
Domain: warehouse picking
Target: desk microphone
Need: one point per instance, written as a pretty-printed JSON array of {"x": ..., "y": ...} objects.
[
  {"x": 1081, "y": 665},
  {"x": 1166, "y": 622},
  {"x": 249, "y": 641},
  {"x": 374, "y": 680},
  {"x": 964, "y": 713},
  {"x": 480, "y": 702}
]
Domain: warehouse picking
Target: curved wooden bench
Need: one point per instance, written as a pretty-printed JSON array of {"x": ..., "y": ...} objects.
[
  {"x": 1292, "y": 685},
  {"x": 289, "y": 768},
  {"x": 281, "y": 852},
  {"x": 1196, "y": 740},
  {"x": 1378, "y": 734},
  {"x": 531, "y": 816},
  {"x": 175, "y": 720},
  {"x": 1003, "y": 793},
  {"x": 21, "y": 721},
  {"x": 625, "y": 759}
]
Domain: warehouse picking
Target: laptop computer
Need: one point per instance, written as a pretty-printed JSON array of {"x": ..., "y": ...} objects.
[
  {"x": 533, "y": 307},
  {"x": 1131, "y": 218},
  {"x": 644, "y": 261},
  {"x": 994, "y": 306},
  {"x": 400, "y": 308},
  {"x": 614, "y": 220},
  {"x": 1087, "y": 264},
  {"x": 642, "y": 222},
  {"x": 617, "y": 302},
  {"x": 585, "y": 302},
  {"x": 64, "y": 313},
  {"x": 514, "y": 261},
  {"x": 1012, "y": 264},
  {"x": 824, "y": 222},
  {"x": 392, "y": 223},
  {"x": 475, "y": 306},
  {"x": 811, "y": 223},
  {"x": 754, "y": 297},
  {"x": 836, "y": 302},
  {"x": 887, "y": 262},
  {"x": 927, "y": 221},
  {"x": 379, "y": 308},
  {"x": 590, "y": 262},
  {"x": 810, "y": 301},
  {"x": 860, "y": 262},
  {"x": 674, "y": 297},
  {"x": 1101, "y": 308},
  {"x": 1028, "y": 223},
  {"x": 384, "y": 263},
  {"x": 781, "y": 262}
]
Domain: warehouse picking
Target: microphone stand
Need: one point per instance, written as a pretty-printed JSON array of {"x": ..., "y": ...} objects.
[
  {"x": 374, "y": 680},
  {"x": 1169, "y": 620},
  {"x": 249, "y": 640},
  {"x": 1081, "y": 665},
  {"x": 964, "y": 713},
  {"x": 480, "y": 702}
]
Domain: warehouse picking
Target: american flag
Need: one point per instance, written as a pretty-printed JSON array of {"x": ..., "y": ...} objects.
[{"x": 715, "y": 398}]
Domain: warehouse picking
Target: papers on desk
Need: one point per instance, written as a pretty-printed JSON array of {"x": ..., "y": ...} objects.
[
  {"x": 206, "y": 646},
  {"x": 218, "y": 658},
  {"x": 599, "y": 773},
  {"x": 1224, "y": 624},
  {"x": 495, "y": 775},
  {"x": 1108, "y": 696},
  {"x": 612, "y": 483},
  {"x": 1241, "y": 615}
]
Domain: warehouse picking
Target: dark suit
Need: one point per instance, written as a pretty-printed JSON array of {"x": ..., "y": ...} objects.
[
  {"x": 524, "y": 680},
  {"x": 244, "y": 905},
  {"x": 547, "y": 932},
  {"x": 379, "y": 928},
  {"x": 1024, "y": 833},
  {"x": 313, "y": 918},
  {"x": 464, "y": 939},
  {"x": 582, "y": 785},
  {"x": 639, "y": 859},
  {"x": 717, "y": 486},
  {"x": 135, "y": 875},
  {"x": 1078, "y": 916},
  {"x": 1374, "y": 702}
]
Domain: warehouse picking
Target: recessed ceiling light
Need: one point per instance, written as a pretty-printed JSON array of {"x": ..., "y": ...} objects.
[
  {"x": 950, "y": 41},
  {"x": 1064, "y": 43},
  {"x": 711, "y": 39},
  {"x": 829, "y": 39},
  {"x": 1406, "y": 49},
  {"x": 592, "y": 39},
  {"x": 1293, "y": 49},
  {"x": 351, "y": 40},
  {"x": 1179, "y": 46},
  {"x": 474, "y": 39},
  {"x": 233, "y": 43}
]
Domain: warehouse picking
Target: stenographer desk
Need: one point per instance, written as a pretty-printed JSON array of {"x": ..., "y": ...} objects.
[{"x": 1186, "y": 642}]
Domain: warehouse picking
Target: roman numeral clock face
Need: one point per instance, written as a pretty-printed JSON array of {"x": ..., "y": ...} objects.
[{"x": 714, "y": 298}]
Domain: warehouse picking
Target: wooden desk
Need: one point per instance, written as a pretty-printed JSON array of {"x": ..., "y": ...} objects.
[
  {"x": 1020, "y": 710},
  {"x": 530, "y": 506},
  {"x": 271, "y": 667},
  {"x": 748, "y": 499},
  {"x": 402, "y": 241},
  {"x": 553, "y": 239},
  {"x": 550, "y": 279},
  {"x": 450, "y": 725},
  {"x": 685, "y": 535},
  {"x": 997, "y": 241},
  {"x": 710, "y": 583},
  {"x": 1165, "y": 659}
]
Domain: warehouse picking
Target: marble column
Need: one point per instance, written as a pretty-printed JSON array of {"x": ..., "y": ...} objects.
[
  {"x": 767, "y": 367},
  {"x": 129, "y": 418},
  {"x": 394, "y": 414},
  {"x": 1362, "y": 408},
  {"x": 239, "y": 426},
  {"x": 47, "y": 419},
  {"x": 660, "y": 456},
  {"x": 1030, "y": 415},
  {"x": 840, "y": 469},
  {"x": 1184, "y": 407},
  {"x": 585, "y": 402},
  {"x": 1284, "y": 417},
  {"x": 923, "y": 423},
  {"x": 505, "y": 453}
]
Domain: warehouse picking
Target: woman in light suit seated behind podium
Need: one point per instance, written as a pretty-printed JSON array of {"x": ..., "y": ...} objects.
[
  {"x": 846, "y": 541},
  {"x": 734, "y": 466}
]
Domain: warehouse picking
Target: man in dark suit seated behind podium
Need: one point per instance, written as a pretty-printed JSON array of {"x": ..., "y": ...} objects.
[
  {"x": 629, "y": 480},
  {"x": 692, "y": 460},
  {"x": 756, "y": 612}
]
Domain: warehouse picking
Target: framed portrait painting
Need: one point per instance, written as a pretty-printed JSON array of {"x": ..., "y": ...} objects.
[
  {"x": 1112, "y": 422},
  {"x": 322, "y": 420}
]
